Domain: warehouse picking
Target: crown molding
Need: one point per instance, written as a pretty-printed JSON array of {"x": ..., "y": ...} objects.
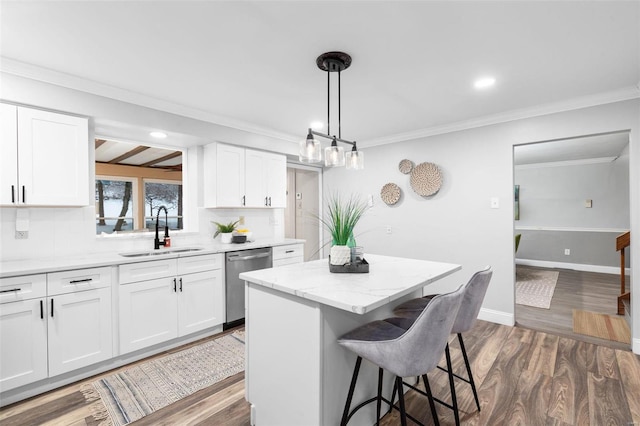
[
  {"x": 33, "y": 72},
  {"x": 624, "y": 94},
  {"x": 22, "y": 69}
]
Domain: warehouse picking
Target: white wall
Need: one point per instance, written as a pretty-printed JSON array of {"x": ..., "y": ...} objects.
[{"x": 457, "y": 224}]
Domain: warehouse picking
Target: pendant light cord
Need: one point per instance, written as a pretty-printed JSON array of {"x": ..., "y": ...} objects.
[
  {"x": 339, "y": 103},
  {"x": 328, "y": 103}
]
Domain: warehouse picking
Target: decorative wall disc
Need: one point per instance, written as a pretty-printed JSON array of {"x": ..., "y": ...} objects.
[
  {"x": 426, "y": 179},
  {"x": 405, "y": 166},
  {"x": 390, "y": 193}
]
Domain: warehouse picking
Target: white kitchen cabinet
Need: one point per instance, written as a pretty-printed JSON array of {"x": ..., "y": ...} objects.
[
  {"x": 45, "y": 158},
  {"x": 23, "y": 330},
  {"x": 155, "y": 310},
  {"x": 79, "y": 330},
  {"x": 288, "y": 254},
  {"x": 266, "y": 179},
  {"x": 239, "y": 177}
]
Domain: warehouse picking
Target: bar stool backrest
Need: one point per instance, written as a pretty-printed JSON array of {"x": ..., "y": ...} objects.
[{"x": 474, "y": 292}]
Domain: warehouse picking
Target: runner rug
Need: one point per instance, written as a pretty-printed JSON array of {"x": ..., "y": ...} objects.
[
  {"x": 601, "y": 325},
  {"x": 535, "y": 287},
  {"x": 138, "y": 391}
]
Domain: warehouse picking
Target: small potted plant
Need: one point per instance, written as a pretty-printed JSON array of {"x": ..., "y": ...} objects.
[
  {"x": 340, "y": 219},
  {"x": 225, "y": 231}
]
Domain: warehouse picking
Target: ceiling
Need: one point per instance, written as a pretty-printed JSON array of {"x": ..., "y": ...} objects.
[
  {"x": 251, "y": 64},
  {"x": 127, "y": 154}
]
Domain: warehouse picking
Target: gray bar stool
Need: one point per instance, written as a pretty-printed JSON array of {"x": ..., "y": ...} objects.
[
  {"x": 404, "y": 352},
  {"x": 474, "y": 292}
]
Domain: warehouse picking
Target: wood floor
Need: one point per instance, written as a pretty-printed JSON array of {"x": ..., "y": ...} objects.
[
  {"x": 587, "y": 291},
  {"x": 524, "y": 377}
]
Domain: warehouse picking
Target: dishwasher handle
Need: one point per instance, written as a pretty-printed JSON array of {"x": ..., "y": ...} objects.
[{"x": 234, "y": 258}]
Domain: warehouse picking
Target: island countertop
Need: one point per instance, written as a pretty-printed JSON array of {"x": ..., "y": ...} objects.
[{"x": 389, "y": 278}]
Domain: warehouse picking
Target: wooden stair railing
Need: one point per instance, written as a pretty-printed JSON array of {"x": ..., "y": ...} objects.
[{"x": 623, "y": 241}]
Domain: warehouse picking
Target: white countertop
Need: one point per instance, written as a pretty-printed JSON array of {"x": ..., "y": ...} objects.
[
  {"x": 389, "y": 278},
  {"x": 64, "y": 263}
]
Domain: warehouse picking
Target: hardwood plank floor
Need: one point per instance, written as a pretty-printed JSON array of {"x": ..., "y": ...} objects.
[
  {"x": 524, "y": 377},
  {"x": 587, "y": 291}
]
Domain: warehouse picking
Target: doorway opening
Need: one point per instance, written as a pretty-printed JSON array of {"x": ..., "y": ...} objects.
[
  {"x": 304, "y": 192},
  {"x": 571, "y": 203}
]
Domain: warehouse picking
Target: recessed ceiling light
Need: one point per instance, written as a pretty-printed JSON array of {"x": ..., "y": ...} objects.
[
  {"x": 484, "y": 82},
  {"x": 158, "y": 135}
]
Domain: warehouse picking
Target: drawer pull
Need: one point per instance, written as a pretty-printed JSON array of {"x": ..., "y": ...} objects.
[
  {"x": 85, "y": 280},
  {"x": 10, "y": 290},
  {"x": 289, "y": 251}
]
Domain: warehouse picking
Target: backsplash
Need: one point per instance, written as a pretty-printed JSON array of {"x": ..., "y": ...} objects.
[{"x": 55, "y": 232}]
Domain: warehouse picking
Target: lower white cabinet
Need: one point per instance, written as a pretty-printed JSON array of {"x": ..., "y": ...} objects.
[
  {"x": 47, "y": 329},
  {"x": 80, "y": 331},
  {"x": 156, "y": 310},
  {"x": 23, "y": 332},
  {"x": 288, "y": 254}
]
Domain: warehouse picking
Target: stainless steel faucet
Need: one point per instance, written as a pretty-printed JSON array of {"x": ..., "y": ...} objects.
[{"x": 156, "y": 242}]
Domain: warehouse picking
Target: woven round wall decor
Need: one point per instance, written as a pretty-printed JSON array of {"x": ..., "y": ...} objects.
[
  {"x": 426, "y": 179},
  {"x": 390, "y": 193},
  {"x": 405, "y": 166}
]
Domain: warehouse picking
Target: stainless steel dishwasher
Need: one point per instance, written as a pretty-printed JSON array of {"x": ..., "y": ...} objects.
[{"x": 236, "y": 263}]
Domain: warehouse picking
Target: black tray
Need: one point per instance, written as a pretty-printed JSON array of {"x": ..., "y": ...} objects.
[{"x": 359, "y": 267}]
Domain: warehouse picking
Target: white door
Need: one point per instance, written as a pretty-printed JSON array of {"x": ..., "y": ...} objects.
[
  {"x": 255, "y": 175},
  {"x": 8, "y": 154},
  {"x": 53, "y": 158},
  {"x": 200, "y": 301},
  {"x": 230, "y": 176},
  {"x": 80, "y": 330},
  {"x": 23, "y": 353},
  {"x": 148, "y": 313}
]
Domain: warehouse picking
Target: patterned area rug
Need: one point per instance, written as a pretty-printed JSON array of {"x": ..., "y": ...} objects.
[
  {"x": 535, "y": 287},
  {"x": 602, "y": 326},
  {"x": 138, "y": 391}
]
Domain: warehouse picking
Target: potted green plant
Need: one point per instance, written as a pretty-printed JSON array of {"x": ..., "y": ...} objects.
[
  {"x": 225, "y": 231},
  {"x": 341, "y": 217}
]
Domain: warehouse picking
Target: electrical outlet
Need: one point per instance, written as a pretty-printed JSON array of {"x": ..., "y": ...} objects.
[
  {"x": 22, "y": 235},
  {"x": 388, "y": 229},
  {"x": 567, "y": 252},
  {"x": 241, "y": 221}
]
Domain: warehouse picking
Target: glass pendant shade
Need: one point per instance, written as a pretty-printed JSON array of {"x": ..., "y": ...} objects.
[
  {"x": 334, "y": 156},
  {"x": 355, "y": 160},
  {"x": 310, "y": 150}
]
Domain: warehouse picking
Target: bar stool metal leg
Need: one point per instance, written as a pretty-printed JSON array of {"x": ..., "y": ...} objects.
[
  {"x": 432, "y": 404},
  {"x": 466, "y": 362},
  {"x": 379, "y": 402},
  {"x": 403, "y": 413},
  {"x": 345, "y": 413},
  {"x": 452, "y": 386}
]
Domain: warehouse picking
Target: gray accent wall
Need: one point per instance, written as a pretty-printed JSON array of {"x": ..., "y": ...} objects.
[{"x": 554, "y": 215}]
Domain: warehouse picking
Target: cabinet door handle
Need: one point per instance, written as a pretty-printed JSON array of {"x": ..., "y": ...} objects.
[
  {"x": 269, "y": 201},
  {"x": 85, "y": 280},
  {"x": 51, "y": 308},
  {"x": 24, "y": 195},
  {"x": 244, "y": 200},
  {"x": 175, "y": 285},
  {"x": 265, "y": 201},
  {"x": 13, "y": 193},
  {"x": 180, "y": 284},
  {"x": 41, "y": 309},
  {"x": 11, "y": 290}
]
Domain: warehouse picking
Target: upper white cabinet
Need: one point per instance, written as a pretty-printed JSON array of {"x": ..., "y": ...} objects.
[
  {"x": 44, "y": 157},
  {"x": 239, "y": 177}
]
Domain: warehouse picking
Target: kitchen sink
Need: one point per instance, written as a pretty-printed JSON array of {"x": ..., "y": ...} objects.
[{"x": 160, "y": 252}]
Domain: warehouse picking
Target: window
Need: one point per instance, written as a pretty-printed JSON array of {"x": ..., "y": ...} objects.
[
  {"x": 114, "y": 205},
  {"x": 132, "y": 182}
]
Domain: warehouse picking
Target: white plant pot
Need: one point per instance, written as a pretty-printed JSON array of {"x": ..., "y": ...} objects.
[
  {"x": 225, "y": 238},
  {"x": 340, "y": 255}
]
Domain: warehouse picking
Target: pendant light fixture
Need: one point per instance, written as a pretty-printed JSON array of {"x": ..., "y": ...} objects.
[{"x": 334, "y": 155}]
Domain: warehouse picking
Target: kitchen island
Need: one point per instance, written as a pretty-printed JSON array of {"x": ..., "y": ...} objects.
[{"x": 296, "y": 373}]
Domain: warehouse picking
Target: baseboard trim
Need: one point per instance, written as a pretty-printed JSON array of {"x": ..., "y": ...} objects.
[
  {"x": 575, "y": 266},
  {"x": 499, "y": 317}
]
